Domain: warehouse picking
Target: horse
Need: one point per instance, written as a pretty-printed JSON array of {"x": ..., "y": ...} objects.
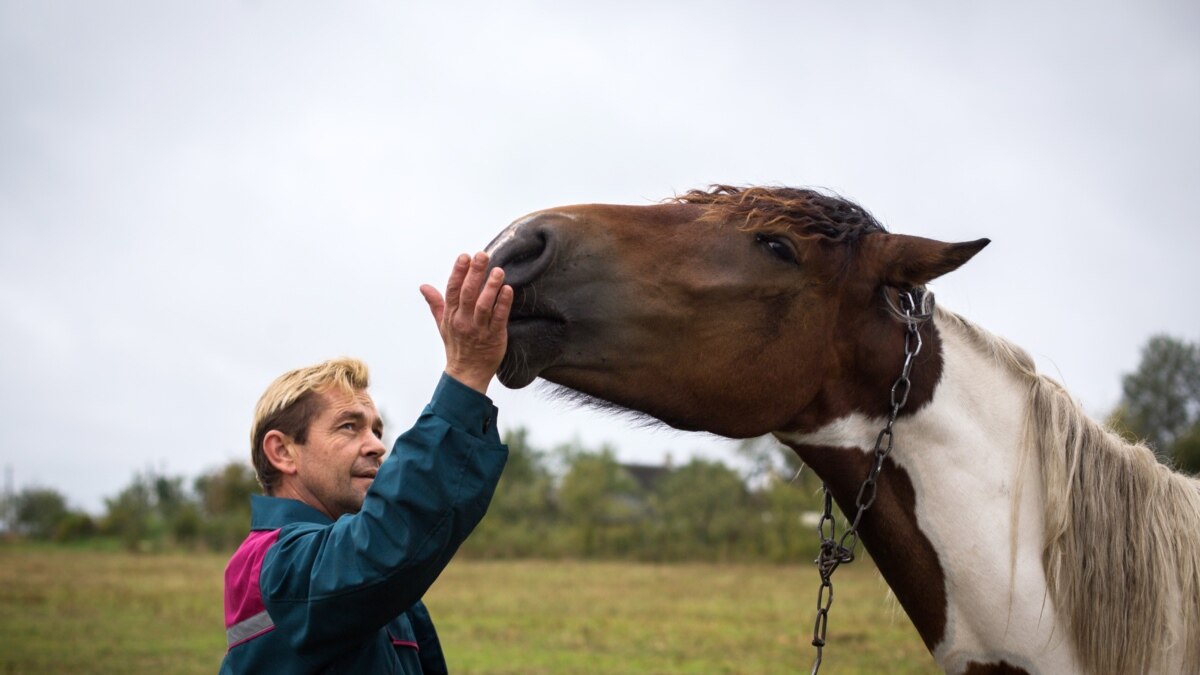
[{"x": 1018, "y": 534}]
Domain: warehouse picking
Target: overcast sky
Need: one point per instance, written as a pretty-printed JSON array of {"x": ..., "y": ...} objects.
[{"x": 195, "y": 197}]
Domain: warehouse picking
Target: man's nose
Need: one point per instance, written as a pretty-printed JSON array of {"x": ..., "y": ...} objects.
[{"x": 374, "y": 447}]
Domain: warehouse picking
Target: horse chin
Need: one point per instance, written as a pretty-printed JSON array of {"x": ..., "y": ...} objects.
[
  {"x": 514, "y": 377},
  {"x": 533, "y": 346}
]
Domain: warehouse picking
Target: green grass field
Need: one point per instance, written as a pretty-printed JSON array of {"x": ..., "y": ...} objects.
[{"x": 68, "y": 610}]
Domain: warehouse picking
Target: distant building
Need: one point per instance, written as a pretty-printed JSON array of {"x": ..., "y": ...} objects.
[
  {"x": 647, "y": 476},
  {"x": 636, "y": 504}
]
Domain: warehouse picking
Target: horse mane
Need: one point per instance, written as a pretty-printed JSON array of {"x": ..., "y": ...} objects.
[
  {"x": 1120, "y": 547},
  {"x": 803, "y": 211}
]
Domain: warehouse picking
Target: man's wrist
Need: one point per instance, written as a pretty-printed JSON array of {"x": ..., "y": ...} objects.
[
  {"x": 464, "y": 407},
  {"x": 473, "y": 379}
]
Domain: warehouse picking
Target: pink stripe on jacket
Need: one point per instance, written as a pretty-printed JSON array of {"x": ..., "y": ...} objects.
[{"x": 243, "y": 598}]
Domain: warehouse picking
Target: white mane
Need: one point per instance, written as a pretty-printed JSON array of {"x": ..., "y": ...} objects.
[{"x": 1122, "y": 532}]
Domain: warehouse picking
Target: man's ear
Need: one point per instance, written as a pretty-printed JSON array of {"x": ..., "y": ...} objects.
[{"x": 281, "y": 451}]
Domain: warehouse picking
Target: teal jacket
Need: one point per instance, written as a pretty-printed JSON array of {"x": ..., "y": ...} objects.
[{"x": 304, "y": 594}]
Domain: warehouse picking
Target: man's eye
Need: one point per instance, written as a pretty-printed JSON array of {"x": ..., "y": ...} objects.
[
  {"x": 348, "y": 425},
  {"x": 778, "y": 247}
]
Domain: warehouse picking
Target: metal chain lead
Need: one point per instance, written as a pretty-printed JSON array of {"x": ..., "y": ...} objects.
[{"x": 835, "y": 550}]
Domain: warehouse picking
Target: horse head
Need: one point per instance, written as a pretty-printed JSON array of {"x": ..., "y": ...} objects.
[
  {"x": 1007, "y": 523},
  {"x": 733, "y": 311}
]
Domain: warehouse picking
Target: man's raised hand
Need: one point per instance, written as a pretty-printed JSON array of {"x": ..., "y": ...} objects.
[{"x": 472, "y": 320}]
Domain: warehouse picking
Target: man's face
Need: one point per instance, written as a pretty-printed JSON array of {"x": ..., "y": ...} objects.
[{"x": 343, "y": 451}]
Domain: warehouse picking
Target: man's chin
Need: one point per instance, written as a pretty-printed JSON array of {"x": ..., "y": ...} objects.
[{"x": 361, "y": 486}]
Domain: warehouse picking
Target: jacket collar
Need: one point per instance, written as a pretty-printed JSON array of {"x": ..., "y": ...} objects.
[{"x": 272, "y": 513}]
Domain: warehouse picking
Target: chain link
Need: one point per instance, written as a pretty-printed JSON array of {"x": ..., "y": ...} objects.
[{"x": 838, "y": 550}]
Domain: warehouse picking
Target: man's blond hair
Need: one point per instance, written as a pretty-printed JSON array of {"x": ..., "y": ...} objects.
[{"x": 291, "y": 403}]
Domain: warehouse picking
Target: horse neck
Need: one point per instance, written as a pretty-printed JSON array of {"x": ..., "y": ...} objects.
[{"x": 957, "y": 526}]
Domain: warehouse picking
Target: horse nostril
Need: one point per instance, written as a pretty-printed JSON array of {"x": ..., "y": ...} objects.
[
  {"x": 528, "y": 253},
  {"x": 525, "y": 255}
]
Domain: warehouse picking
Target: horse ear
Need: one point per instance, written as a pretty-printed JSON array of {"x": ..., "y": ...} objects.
[{"x": 906, "y": 261}]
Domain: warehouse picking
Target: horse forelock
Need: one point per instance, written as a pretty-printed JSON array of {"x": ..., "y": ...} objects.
[
  {"x": 803, "y": 211},
  {"x": 1120, "y": 554}
]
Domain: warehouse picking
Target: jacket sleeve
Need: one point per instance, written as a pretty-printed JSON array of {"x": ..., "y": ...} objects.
[{"x": 329, "y": 588}]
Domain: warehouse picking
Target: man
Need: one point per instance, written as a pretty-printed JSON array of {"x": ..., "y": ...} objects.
[{"x": 344, "y": 545}]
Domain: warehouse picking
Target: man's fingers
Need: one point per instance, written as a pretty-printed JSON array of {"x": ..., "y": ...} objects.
[
  {"x": 502, "y": 308},
  {"x": 472, "y": 319},
  {"x": 472, "y": 282},
  {"x": 434, "y": 299},
  {"x": 487, "y": 297},
  {"x": 455, "y": 284}
]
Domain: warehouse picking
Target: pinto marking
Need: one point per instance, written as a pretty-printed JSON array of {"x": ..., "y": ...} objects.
[{"x": 956, "y": 452}]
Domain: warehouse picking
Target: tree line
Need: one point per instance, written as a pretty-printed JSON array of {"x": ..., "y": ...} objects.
[
  {"x": 573, "y": 501},
  {"x": 591, "y": 506},
  {"x": 153, "y": 512}
]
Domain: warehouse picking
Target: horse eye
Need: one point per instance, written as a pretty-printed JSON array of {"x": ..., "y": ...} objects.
[{"x": 779, "y": 248}]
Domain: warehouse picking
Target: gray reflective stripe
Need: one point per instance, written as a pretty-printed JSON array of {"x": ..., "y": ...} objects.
[{"x": 248, "y": 628}]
